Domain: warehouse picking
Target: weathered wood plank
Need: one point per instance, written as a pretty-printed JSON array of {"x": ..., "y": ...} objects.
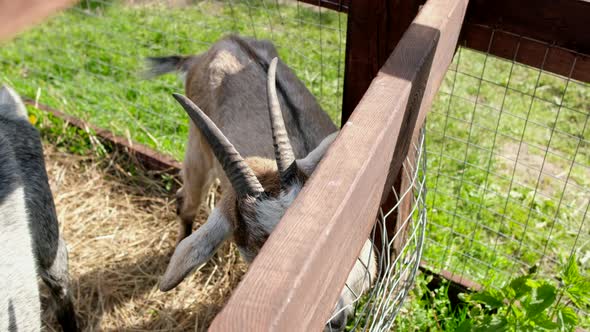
[
  {"x": 294, "y": 282},
  {"x": 562, "y": 23},
  {"x": 370, "y": 39},
  {"x": 16, "y": 15},
  {"x": 527, "y": 51}
]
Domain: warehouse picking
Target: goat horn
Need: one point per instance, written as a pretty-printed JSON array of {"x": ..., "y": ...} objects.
[
  {"x": 240, "y": 175},
  {"x": 283, "y": 150}
]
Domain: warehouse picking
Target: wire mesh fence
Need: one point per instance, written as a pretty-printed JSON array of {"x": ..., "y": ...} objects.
[
  {"x": 508, "y": 169},
  {"x": 401, "y": 253},
  {"x": 400, "y": 249}
]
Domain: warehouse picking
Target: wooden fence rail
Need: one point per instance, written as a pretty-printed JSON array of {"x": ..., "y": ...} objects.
[
  {"x": 295, "y": 280},
  {"x": 548, "y": 34}
]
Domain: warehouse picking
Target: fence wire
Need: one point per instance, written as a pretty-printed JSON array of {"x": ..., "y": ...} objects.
[
  {"x": 508, "y": 169},
  {"x": 398, "y": 237}
]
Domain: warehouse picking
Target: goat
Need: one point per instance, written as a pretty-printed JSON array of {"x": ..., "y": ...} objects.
[
  {"x": 260, "y": 192},
  {"x": 228, "y": 81},
  {"x": 30, "y": 234}
]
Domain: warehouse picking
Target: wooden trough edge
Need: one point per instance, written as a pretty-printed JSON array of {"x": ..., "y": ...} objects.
[
  {"x": 296, "y": 278},
  {"x": 456, "y": 280},
  {"x": 146, "y": 157},
  {"x": 528, "y": 51}
]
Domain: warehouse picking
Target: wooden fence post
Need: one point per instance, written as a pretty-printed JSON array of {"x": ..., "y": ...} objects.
[{"x": 374, "y": 29}]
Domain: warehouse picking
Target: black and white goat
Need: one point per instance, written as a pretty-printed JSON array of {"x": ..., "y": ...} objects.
[{"x": 30, "y": 244}]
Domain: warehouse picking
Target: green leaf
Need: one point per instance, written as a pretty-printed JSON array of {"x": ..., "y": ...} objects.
[
  {"x": 533, "y": 283},
  {"x": 476, "y": 311},
  {"x": 570, "y": 274},
  {"x": 543, "y": 298},
  {"x": 492, "y": 298},
  {"x": 579, "y": 293},
  {"x": 492, "y": 324},
  {"x": 517, "y": 312},
  {"x": 544, "y": 322},
  {"x": 519, "y": 286},
  {"x": 567, "y": 319},
  {"x": 463, "y": 297},
  {"x": 465, "y": 326}
]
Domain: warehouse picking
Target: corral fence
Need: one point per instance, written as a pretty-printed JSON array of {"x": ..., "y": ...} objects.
[{"x": 397, "y": 56}]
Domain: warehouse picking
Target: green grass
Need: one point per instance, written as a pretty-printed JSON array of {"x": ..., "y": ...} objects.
[
  {"x": 430, "y": 308},
  {"x": 85, "y": 62},
  {"x": 475, "y": 189},
  {"x": 528, "y": 302}
]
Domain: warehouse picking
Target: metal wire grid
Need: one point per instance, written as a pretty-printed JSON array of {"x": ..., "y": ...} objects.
[
  {"x": 508, "y": 169},
  {"x": 400, "y": 254},
  {"x": 316, "y": 56}
]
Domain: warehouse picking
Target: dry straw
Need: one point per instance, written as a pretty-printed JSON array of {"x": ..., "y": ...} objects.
[{"x": 120, "y": 230}]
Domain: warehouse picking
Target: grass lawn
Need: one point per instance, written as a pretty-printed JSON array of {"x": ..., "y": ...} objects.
[
  {"x": 493, "y": 127},
  {"x": 508, "y": 169}
]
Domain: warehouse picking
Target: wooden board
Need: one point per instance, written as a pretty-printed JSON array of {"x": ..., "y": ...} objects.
[
  {"x": 297, "y": 277},
  {"x": 527, "y": 51},
  {"x": 416, "y": 111},
  {"x": 17, "y": 15}
]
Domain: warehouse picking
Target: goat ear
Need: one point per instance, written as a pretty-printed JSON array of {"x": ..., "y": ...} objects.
[
  {"x": 10, "y": 97},
  {"x": 308, "y": 164},
  {"x": 196, "y": 249}
]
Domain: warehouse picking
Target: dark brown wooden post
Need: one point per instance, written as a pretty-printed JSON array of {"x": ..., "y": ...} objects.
[{"x": 374, "y": 29}]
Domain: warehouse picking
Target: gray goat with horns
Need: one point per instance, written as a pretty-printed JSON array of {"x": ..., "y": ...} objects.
[{"x": 261, "y": 189}]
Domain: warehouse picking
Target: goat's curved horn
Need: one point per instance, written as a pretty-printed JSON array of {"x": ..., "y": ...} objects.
[
  {"x": 240, "y": 175},
  {"x": 283, "y": 150}
]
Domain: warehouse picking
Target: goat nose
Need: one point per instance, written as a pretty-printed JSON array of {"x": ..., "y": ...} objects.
[{"x": 338, "y": 322}]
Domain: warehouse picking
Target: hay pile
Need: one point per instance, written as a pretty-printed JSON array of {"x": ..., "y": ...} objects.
[{"x": 120, "y": 231}]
